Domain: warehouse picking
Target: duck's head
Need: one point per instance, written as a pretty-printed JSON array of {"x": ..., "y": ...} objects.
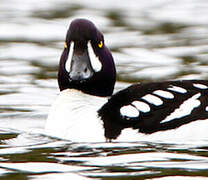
[{"x": 86, "y": 63}]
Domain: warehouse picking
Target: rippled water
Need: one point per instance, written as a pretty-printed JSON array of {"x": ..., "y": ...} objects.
[{"x": 150, "y": 40}]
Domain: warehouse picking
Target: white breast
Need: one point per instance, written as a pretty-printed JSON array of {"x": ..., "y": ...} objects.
[{"x": 73, "y": 116}]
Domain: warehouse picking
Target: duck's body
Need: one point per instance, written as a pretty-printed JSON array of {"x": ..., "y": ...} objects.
[
  {"x": 84, "y": 112},
  {"x": 74, "y": 116}
]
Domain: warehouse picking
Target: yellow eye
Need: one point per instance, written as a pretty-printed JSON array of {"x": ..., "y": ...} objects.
[
  {"x": 65, "y": 45},
  {"x": 100, "y": 45}
]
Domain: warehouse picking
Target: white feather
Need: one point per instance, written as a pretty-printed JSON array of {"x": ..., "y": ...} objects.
[
  {"x": 164, "y": 94},
  {"x": 177, "y": 89},
  {"x": 141, "y": 106},
  {"x": 69, "y": 59},
  {"x": 129, "y": 111},
  {"x": 73, "y": 116},
  {"x": 200, "y": 86},
  {"x": 184, "y": 109},
  {"x": 153, "y": 99},
  {"x": 95, "y": 62}
]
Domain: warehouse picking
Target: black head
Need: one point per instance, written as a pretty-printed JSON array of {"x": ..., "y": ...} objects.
[{"x": 86, "y": 63}]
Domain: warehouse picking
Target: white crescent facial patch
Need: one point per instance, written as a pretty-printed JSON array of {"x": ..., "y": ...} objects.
[
  {"x": 95, "y": 62},
  {"x": 69, "y": 59}
]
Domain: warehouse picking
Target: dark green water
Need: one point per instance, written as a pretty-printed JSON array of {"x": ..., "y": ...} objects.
[{"x": 150, "y": 41}]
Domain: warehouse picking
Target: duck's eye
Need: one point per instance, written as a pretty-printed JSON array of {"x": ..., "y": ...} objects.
[
  {"x": 100, "y": 44},
  {"x": 65, "y": 45}
]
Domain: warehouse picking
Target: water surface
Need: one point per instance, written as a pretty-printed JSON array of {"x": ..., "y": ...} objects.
[{"x": 150, "y": 41}]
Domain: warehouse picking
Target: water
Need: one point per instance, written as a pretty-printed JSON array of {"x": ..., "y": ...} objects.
[{"x": 150, "y": 40}]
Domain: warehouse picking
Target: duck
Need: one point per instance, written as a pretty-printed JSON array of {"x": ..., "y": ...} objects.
[{"x": 87, "y": 110}]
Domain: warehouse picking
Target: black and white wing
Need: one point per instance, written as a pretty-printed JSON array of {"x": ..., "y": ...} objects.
[{"x": 153, "y": 107}]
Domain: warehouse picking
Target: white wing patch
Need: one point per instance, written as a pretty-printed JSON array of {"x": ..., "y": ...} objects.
[
  {"x": 206, "y": 109},
  {"x": 68, "y": 61},
  {"x": 200, "y": 86},
  {"x": 129, "y": 111},
  {"x": 95, "y": 62},
  {"x": 177, "y": 89},
  {"x": 164, "y": 94},
  {"x": 141, "y": 106},
  {"x": 153, "y": 99},
  {"x": 185, "y": 109}
]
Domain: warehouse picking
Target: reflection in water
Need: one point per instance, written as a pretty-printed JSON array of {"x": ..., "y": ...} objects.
[{"x": 150, "y": 41}]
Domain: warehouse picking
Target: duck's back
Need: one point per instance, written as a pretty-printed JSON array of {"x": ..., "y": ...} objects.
[{"x": 156, "y": 107}]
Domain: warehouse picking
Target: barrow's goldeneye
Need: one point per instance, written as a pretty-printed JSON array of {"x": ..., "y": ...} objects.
[{"x": 86, "y": 110}]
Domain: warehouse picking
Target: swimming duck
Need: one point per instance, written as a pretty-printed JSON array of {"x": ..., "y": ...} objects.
[{"x": 85, "y": 110}]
